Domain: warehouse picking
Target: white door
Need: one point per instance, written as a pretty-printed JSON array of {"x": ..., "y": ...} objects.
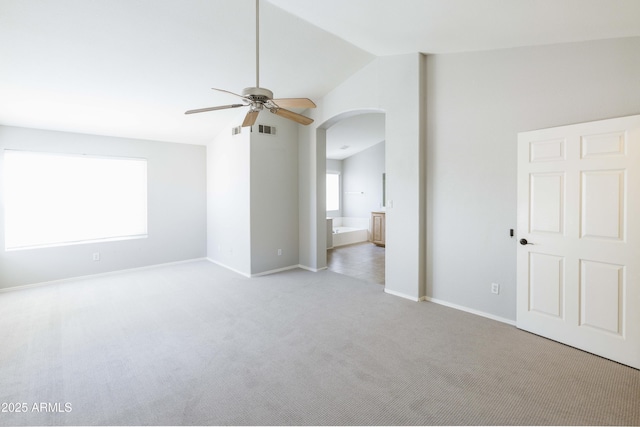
[{"x": 578, "y": 273}]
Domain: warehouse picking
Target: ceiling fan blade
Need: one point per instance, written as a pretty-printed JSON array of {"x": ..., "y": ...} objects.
[
  {"x": 250, "y": 118},
  {"x": 222, "y": 107},
  {"x": 303, "y": 120},
  {"x": 231, "y": 93},
  {"x": 294, "y": 103}
]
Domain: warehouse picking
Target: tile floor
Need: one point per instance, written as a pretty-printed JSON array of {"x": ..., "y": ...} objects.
[{"x": 361, "y": 260}]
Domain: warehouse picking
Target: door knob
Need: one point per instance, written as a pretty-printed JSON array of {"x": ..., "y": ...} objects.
[{"x": 524, "y": 242}]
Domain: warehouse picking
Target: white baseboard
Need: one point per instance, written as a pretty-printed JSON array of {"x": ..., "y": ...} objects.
[
  {"x": 471, "y": 310},
  {"x": 96, "y": 275},
  {"x": 264, "y": 273},
  {"x": 277, "y": 270},
  {"x": 242, "y": 273},
  {"x": 401, "y": 295},
  {"x": 314, "y": 270},
  {"x": 451, "y": 305}
]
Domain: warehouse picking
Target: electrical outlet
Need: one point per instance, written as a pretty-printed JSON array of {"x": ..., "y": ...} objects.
[
  {"x": 495, "y": 288},
  {"x": 96, "y": 256},
  {"x": 279, "y": 252}
]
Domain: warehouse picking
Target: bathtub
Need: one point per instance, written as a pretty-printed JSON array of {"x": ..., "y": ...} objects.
[
  {"x": 349, "y": 235},
  {"x": 347, "y": 231}
]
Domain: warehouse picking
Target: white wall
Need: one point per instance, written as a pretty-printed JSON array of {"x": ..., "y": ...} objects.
[
  {"x": 334, "y": 165},
  {"x": 228, "y": 200},
  {"x": 274, "y": 195},
  {"x": 476, "y": 104},
  {"x": 252, "y": 197},
  {"x": 176, "y": 209},
  {"x": 362, "y": 173},
  {"x": 312, "y": 253}
]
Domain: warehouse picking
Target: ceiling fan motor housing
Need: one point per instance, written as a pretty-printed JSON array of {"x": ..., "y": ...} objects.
[{"x": 257, "y": 94}]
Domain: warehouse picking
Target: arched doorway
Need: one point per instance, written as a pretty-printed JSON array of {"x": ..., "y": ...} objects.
[
  {"x": 395, "y": 86},
  {"x": 355, "y": 172}
]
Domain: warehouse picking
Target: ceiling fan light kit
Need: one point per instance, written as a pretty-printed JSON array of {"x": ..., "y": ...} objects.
[{"x": 258, "y": 98}]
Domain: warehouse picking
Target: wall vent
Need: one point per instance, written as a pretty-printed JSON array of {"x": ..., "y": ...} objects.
[
  {"x": 269, "y": 130},
  {"x": 236, "y": 130}
]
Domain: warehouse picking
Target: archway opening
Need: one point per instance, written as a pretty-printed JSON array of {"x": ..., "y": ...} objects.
[{"x": 355, "y": 194}]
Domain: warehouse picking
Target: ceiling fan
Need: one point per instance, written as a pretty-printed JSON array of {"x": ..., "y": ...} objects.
[{"x": 258, "y": 98}]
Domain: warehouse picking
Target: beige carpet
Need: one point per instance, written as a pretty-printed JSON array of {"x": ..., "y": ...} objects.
[{"x": 197, "y": 344}]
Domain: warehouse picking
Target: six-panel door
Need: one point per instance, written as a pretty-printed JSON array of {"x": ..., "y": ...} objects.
[{"x": 579, "y": 212}]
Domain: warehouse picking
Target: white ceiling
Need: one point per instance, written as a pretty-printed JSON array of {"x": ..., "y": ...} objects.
[
  {"x": 386, "y": 27},
  {"x": 130, "y": 68},
  {"x": 355, "y": 134}
]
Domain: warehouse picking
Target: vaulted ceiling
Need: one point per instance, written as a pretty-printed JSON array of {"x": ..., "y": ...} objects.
[{"x": 130, "y": 68}]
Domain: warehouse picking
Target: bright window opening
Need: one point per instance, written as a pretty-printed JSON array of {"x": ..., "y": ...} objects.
[
  {"x": 59, "y": 199},
  {"x": 333, "y": 191}
]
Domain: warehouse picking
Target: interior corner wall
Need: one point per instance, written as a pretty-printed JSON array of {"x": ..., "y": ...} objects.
[
  {"x": 274, "y": 195},
  {"x": 228, "y": 200},
  {"x": 401, "y": 84},
  {"x": 312, "y": 143},
  {"x": 477, "y": 103},
  {"x": 176, "y": 209}
]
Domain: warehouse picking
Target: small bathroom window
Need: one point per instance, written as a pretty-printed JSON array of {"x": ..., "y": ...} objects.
[{"x": 333, "y": 191}]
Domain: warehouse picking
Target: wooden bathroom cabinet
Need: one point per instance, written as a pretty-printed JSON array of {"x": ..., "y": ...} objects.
[{"x": 377, "y": 228}]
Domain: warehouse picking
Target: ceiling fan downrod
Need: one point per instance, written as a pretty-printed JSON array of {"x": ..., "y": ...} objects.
[
  {"x": 257, "y": 43},
  {"x": 258, "y": 99}
]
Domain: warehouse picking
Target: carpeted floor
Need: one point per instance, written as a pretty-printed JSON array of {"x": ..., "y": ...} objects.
[{"x": 196, "y": 344}]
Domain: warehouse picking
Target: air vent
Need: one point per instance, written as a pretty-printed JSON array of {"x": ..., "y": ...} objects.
[
  {"x": 269, "y": 130},
  {"x": 236, "y": 130}
]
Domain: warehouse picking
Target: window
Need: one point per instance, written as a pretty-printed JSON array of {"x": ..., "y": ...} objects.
[
  {"x": 59, "y": 199},
  {"x": 333, "y": 191}
]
